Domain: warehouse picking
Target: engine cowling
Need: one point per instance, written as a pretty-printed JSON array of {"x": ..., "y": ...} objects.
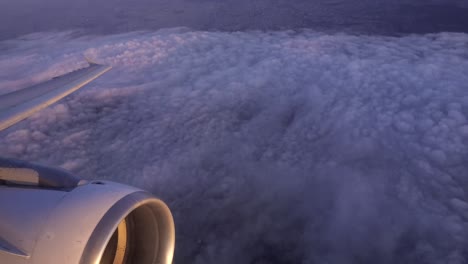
[{"x": 48, "y": 216}]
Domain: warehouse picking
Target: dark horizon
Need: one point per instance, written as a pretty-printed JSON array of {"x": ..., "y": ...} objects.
[{"x": 22, "y": 17}]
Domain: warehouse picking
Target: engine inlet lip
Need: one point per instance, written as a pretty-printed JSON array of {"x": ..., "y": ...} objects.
[{"x": 112, "y": 218}]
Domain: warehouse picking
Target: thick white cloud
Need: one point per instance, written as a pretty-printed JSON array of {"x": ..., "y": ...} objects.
[{"x": 276, "y": 147}]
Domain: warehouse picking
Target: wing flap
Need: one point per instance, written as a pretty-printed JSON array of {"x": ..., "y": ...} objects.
[{"x": 8, "y": 248}]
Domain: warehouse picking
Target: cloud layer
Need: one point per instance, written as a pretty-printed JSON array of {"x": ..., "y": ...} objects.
[{"x": 275, "y": 147}]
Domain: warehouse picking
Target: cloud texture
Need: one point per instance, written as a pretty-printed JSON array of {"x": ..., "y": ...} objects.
[{"x": 273, "y": 147}]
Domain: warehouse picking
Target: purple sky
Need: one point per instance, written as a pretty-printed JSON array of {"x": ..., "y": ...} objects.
[{"x": 110, "y": 16}]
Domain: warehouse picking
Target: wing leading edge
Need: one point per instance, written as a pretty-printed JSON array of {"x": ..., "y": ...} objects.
[{"x": 18, "y": 105}]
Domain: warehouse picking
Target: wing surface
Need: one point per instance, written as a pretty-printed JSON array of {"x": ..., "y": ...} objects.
[{"x": 18, "y": 105}]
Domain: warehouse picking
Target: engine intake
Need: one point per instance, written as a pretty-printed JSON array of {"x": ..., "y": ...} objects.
[{"x": 137, "y": 229}]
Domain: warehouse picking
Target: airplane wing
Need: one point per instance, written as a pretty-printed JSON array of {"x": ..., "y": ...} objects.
[
  {"x": 49, "y": 216},
  {"x": 18, "y": 105}
]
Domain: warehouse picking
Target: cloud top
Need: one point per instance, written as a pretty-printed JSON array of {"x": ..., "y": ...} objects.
[{"x": 273, "y": 147}]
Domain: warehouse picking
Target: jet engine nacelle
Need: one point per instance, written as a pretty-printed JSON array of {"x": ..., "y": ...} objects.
[{"x": 48, "y": 216}]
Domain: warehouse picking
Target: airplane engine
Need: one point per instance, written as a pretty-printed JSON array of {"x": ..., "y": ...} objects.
[{"x": 48, "y": 216}]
